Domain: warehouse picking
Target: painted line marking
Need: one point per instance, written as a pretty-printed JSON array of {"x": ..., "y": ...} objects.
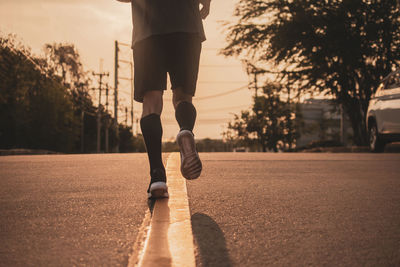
[
  {"x": 169, "y": 240},
  {"x": 140, "y": 243}
]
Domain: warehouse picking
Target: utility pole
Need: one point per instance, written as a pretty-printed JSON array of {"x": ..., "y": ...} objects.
[
  {"x": 116, "y": 79},
  {"x": 101, "y": 75},
  {"x": 82, "y": 130},
  {"x": 290, "y": 126},
  {"x": 255, "y": 84},
  {"x": 132, "y": 96},
  {"x": 343, "y": 136},
  {"x": 116, "y": 148},
  {"x": 107, "y": 122},
  {"x": 253, "y": 70},
  {"x": 137, "y": 126},
  {"x": 82, "y": 118},
  {"x": 130, "y": 79}
]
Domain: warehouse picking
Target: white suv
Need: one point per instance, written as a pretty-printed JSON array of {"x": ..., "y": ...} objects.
[{"x": 383, "y": 115}]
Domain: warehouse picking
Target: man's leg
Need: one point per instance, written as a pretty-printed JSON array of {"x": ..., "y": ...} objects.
[
  {"x": 185, "y": 114},
  {"x": 151, "y": 127}
]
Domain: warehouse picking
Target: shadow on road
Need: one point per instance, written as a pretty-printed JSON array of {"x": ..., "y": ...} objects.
[
  {"x": 150, "y": 203},
  {"x": 210, "y": 241}
]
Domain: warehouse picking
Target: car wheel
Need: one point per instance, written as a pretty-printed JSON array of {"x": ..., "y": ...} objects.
[{"x": 376, "y": 144}]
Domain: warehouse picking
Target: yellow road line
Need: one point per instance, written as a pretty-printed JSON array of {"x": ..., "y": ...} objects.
[
  {"x": 169, "y": 240},
  {"x": 140, "y": 243}
]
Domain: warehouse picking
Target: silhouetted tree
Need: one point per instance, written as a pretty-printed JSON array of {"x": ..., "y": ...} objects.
[
  {"x": 212, "y": 145},
  {"x": 35, "y": 109},
  {"x": 128, "y": 142},
  {"x": 341, "y": 48},
  {"x": 270, "y": 122},
  {"x": 45, "y": 102},
  {"x": 64, "y": 60}
]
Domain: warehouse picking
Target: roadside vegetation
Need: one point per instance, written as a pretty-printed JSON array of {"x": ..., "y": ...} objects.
[
  {"x": 45, "y": 102},
  {"x": 340, "y": 49}
]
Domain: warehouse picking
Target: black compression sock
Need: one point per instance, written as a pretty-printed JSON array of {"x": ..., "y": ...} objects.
[
  {"x": 152, "y": 134},
  {"x": 185, "y": 114}
]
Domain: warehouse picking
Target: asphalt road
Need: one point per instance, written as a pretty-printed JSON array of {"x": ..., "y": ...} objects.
[
  {"x": 71, "y": 210},
  {"x": 247, "y": 209},
  {"x": 297, "y": 210}
]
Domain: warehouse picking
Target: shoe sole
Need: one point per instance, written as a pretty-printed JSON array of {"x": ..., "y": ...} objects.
[
  {"x": 158, "y": 190},
  {"x": 191, "y": 166}
]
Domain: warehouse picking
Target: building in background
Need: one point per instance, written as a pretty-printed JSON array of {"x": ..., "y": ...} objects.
[{"x": 323, "y": 122}]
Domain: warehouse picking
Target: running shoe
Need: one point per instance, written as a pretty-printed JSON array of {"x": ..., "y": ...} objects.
[
  {"x": 158, "y": 185},
  {"x": 190, "y": 161}
]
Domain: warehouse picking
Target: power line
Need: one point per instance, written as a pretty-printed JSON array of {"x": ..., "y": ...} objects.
[
  {"x": 211, "y": 48},
  {"x": 101, "y": 75},
  {"x": 216, "y": 95},
  {"x": 222, "y": 108},
  {"x": 30, "y": 59},
  {"x": 124, "y": 44},
  {"x": 222, "y": 94},
  {"x": 219, "y": 82},
  {"x": 199, "y": 121},
  {"x": 219, "y": 66}
]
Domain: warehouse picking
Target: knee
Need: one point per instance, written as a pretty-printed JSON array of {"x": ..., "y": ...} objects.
[
  {"x": 152, "y": 103},
  {"x": 179, "y": 96}
]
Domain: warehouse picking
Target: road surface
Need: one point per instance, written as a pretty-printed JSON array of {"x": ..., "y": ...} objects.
[{"x": 247, "y": 209}]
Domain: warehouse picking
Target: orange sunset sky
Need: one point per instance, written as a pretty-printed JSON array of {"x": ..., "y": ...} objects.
[{"x": 93, "y": 26}]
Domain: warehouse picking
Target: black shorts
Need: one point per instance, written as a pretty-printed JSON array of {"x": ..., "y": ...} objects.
[{"x": 177, "y": 54}]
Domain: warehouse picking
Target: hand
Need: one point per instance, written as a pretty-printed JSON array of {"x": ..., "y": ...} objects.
[{"x": 205, "y": 8}]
